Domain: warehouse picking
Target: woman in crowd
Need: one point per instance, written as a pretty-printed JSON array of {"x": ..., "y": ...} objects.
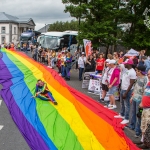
[
  {"x": 53, "y": 59},
  {"x": 104, "y": 80},
  {"x": 100, "y": 64},
  {"x": 81, "y": 65},
  {"x": 90, "y": 64},
  {"x": 58, "y": 62},
  {"x": 109, "y": 56},
  {"x": 68, "y": 62},
  {"x": 63, "y": 59},
  {"x": 116, "y": 57},
  {"x": 113, "y": 81},
  {"x": 141, "y": 62}
]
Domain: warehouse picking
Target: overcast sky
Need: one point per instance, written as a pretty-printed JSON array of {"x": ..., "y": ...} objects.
[{"x": 41, "y": 11}]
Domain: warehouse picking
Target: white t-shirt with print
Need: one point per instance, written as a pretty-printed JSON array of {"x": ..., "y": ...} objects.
[
  {"x": 81, "y": 62},
  {"x": 127, "y": 76},
  {"x": 104, "y": 78},
  {"x": 110, "y": 72},
  {"x": 123, "y": 70}
]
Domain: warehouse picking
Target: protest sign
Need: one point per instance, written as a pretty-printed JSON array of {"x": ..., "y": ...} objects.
[{"x": 86, "y": 79}]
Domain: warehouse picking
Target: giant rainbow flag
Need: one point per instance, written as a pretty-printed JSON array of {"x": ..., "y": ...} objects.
[{"x": 76, "y": 123}]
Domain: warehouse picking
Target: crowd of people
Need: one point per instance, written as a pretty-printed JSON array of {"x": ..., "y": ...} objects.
[{"x": 129, "y": 76}]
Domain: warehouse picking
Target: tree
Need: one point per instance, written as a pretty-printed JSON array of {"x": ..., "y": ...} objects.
[
  {"x": 63, "y": 26},
  {"x": 138, "y": 36},
  {"x": 100, "y": 20}
]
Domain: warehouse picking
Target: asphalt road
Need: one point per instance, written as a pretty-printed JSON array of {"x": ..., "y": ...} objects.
[{"x": 11, "y": 138}]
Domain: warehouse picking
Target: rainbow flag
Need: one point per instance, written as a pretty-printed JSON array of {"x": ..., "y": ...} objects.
[{"x": 76, "y": 123}]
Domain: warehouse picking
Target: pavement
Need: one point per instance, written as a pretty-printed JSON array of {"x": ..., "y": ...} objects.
[{"x": 11, "y": 138}]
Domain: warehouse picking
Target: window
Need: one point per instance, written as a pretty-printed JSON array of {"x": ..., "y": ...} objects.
[
  {"x": 2, "y": 39},
  {"x": 14, "y": 30},
  {"x": 3, "y": 30}
]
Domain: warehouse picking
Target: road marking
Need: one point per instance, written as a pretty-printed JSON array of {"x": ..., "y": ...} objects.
[
  {"x": 1, "y": 127},
  {"x": 0, "y": 102}
]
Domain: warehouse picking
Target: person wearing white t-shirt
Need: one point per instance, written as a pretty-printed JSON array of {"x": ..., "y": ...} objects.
[
  {"x": 104, "y": 79},
  {"x": 81, "y": 65},
  {"x": 128, "y": 80}
]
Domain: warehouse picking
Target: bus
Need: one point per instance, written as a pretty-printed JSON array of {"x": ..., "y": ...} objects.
[{"x": 58, "y": 40}]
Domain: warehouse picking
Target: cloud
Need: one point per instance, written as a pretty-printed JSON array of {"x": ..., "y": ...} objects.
[{"x": 41, "y": 11}]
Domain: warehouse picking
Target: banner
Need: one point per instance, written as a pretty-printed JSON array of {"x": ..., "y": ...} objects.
[
  {"x": 94, "y": 86},
  {"x": 87, "y": 47},
  {"x": 86, "y": 79}
]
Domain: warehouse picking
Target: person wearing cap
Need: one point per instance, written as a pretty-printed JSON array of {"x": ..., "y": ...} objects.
[
  {"x": 81, "y": 65},
  {"x": 128, "y": 80},
  {"x": 104, "y": 78},
  {"x": 113, "y": 81},
  {"x": 136, "y": 98}
]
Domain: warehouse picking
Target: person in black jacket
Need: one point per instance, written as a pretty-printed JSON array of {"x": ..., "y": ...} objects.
[{"x": 90, "y": 64}]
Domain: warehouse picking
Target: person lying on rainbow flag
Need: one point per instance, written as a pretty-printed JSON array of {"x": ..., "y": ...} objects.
[{"x": 42, "y": 92}]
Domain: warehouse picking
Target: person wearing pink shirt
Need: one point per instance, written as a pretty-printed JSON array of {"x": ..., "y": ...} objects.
[{"x": 113, "y": 79}]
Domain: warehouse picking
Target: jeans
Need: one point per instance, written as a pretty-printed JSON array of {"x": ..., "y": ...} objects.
[
  {"x": 52, "y": 62},
  {"x": 135, "y": 122},
  {"x": 80, "y": 73},
  {"x": 35, "y": 57},
  {"x": 67, "y": 69},
  {"x": 125, "y": 104},
  {"x": 46, "y": 98},
  {"x": 112, "y": 90},
  {"x": 63, "y": 72}
]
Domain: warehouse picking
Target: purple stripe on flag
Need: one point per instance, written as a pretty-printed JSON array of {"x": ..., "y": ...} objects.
[{"x": 31, "y": 136}]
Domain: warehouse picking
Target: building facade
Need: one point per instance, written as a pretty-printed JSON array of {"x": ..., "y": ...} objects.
[{"x": 11, "y": 27}]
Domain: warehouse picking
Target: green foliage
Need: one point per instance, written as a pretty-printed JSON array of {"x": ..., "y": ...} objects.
[
  {"x": 63, "y": 26},
  {"x": 100, "y": 20}
]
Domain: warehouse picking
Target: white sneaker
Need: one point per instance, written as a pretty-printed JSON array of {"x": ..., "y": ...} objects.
[
  {"x": 119, "y": 116},
  {"x": 108, "y": 106},
  {"x": 112, "y": 107},
  {"x": 48, "y": 66},
  {"x": 125, "y": 121}
]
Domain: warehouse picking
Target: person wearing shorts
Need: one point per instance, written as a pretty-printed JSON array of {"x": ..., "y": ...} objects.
[
  {"x": 104, "y": 83},
  {"x": 113, "y": 80}
]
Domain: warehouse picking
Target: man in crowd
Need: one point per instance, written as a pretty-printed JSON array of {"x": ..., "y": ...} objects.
[
  {"x": 145, "y": 104},
  {"x": 81, "y": 65},
  {"x": 128, "y": 80},
  {"x": 136, "y": 98}
]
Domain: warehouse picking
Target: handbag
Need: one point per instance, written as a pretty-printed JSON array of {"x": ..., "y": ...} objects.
[
  {"x": 146, "y": 139},
  {"x": 139, "y": 114}
]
